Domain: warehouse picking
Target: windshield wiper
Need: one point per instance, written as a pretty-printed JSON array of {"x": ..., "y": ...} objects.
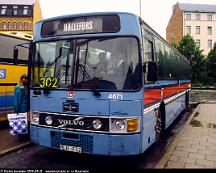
[{"x": 81, "y": 67}]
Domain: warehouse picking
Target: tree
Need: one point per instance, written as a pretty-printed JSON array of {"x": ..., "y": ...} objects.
[
  {"x": 211, "y": 65},
  {"x": 187, "y": 47}
]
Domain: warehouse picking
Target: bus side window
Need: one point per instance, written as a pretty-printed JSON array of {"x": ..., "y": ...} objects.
[
  {"x": 148, "y": 50},
  {"x": 160, "y": 57},
  {"x": 148, "y": 53}
]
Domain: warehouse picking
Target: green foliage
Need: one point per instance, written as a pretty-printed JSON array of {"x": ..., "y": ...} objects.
[
  {"x": 187, "y": 47},
  {"x": 211, "y": 65}
]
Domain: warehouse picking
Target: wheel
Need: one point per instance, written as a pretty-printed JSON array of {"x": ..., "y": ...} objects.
[{"x": 158, "y": 125}]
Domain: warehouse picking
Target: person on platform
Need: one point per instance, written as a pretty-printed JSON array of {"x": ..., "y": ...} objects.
[{"x": 20, "y": 100}]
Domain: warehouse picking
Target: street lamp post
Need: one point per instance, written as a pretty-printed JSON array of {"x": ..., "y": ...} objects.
[{"x": 140, "y": 8}]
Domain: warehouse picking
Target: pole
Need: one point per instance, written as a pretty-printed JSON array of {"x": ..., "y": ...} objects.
[{"x": 140, "y": 4}]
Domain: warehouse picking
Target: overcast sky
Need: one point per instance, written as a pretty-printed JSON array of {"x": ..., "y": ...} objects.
[{"x": 155, "y": 12}]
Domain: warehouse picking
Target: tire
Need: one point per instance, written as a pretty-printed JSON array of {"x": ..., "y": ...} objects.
[{"x": 160, "y": 126}]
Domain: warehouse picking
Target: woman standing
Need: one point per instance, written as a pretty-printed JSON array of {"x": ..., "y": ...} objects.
[{"x": 20, "y": 100}]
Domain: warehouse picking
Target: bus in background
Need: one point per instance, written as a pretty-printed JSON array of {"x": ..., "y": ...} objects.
[
  {"x": 11, "y": 69},
  {"x": 104, "y": 83}
]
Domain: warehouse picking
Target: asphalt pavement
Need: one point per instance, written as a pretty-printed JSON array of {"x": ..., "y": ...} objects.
[{"x": 10, "y": 143}]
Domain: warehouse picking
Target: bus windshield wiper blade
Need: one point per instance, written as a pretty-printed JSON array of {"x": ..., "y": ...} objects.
[{"x": 96, "y": 93}]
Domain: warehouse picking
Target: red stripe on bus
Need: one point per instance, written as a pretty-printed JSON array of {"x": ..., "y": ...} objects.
[{"x": 153, "y": 95}]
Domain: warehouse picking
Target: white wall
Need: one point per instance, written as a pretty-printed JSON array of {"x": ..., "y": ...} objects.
[{"x": 203, "y": 23}]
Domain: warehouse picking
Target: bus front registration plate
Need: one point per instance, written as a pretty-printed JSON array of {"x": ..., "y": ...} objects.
[{"x": 70, "y": 148}]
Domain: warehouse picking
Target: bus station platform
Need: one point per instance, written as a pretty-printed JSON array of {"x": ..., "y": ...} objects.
[
  {"x": 10, "y": 143},
  {"x": 195, "y": 145}
]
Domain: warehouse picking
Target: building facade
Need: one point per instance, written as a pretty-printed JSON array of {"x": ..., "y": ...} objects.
[
  {"x": 19, "y": 15},
  {"x": 199, "y": 20}
]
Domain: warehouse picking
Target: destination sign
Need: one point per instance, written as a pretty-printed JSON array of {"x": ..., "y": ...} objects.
[{"x": 80, "y": 25}]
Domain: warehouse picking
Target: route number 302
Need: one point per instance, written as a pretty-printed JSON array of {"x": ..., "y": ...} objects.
[
  {"x": 48, "y": 82},
  {"x": 115, "y": 96}
]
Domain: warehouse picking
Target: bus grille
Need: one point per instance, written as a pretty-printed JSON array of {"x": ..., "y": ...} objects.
[
  {"x": 69, "y": 122},
  {"x": 83, "y": 141}
]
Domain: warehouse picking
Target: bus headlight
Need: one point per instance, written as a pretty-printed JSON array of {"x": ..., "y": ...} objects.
[
  {"x": 34, "y": 117},
  {"x": 48, "y": 120},
  {"x": 124, "y": 125},
  {"x": 97, "y": 124},
  {"x": 120, "y": 124}
]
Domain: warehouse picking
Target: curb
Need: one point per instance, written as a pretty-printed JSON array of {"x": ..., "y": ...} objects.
[
  {"x": 162, "y": 163},
  {"x": 192, "y": 115},
  {"x": 18, "y": 147}
]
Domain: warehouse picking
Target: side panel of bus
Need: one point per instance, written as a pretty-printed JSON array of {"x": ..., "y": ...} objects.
[
  {"x": 12, "y": 74},
  {"x": 10, "y": 70},
  {"x": 167, "y": 95}
]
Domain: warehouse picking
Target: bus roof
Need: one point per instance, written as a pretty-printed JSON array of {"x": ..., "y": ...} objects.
[
  {"x": 85, "y": 14},
  {"x": 17, "y": 35},
  {"x": 88, "y": 25}
]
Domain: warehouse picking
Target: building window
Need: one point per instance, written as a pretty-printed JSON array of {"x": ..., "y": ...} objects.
[
  {"x": 25, "y": 11},
  {"x": 20, "y": 26},
  {"x": 209, "y": 16},
  {"x": 188, "y": 29},
  {"x": 188, "y": 16},
  {"x": 25, "y": 26},
  {"x": 4, "y": 26},
  {"x": 197, "y": 29},
  {"x": 210, "y": 44},
  {"x": 15, "y": 10},
  {"x": 9, "y": 26},
  {"x": 197, "y": 16},
  {"x": 209, "y": 30},
  {"x": 15, "y": 26},
  {"x": 198, "y": 43},
  {"x": 3, "y": 10}
]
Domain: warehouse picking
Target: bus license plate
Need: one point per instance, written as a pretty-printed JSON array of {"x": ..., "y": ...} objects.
[{"x": 71, "y": 148}]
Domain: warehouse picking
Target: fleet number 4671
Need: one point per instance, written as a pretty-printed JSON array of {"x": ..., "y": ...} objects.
[{"x": 115, "y": 96}]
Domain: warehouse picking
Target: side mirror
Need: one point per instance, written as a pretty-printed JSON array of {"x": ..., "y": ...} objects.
[
  {"x": 152, "y": 71},
  {"x": 15, "y": 55}
]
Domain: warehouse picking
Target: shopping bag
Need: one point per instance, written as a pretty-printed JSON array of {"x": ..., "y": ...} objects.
[{"x": 18, "y": 123}]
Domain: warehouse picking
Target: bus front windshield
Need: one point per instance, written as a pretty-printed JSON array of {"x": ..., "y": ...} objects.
[{"x": 109, "y": 64}]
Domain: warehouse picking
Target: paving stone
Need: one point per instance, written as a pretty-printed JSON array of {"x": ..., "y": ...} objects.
[
  {"x": 190, "y": 149},
  {"x": 191, "y": 160},
  {"x": 210, "y": 157},
  {"x": 179, "y": 148},
  {"x": 173, "y": 158},
  {"x": 182, "y": 159},
  {"x": 189, "y": 165},
  {"x": 172, "y": 164},
  {"x": 196, "y": 156},
  {"x": 210, "y": 167},
  {"x": 209, "y": 152},
  {"x": 203, "y": 147},
  {"x": 184, "y": 144},
  {"x": 211, "y": 148},
  {"x": 204, "y": 162},
  {"x": 180, "y": 153}
]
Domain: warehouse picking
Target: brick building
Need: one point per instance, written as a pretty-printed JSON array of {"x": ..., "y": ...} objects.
[
  {"x": 199, "y": 20},
  {"x": 19, "y": 15}
]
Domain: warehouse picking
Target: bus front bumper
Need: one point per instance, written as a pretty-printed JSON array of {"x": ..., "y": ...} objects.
[{"x": 89, "y": 143}]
